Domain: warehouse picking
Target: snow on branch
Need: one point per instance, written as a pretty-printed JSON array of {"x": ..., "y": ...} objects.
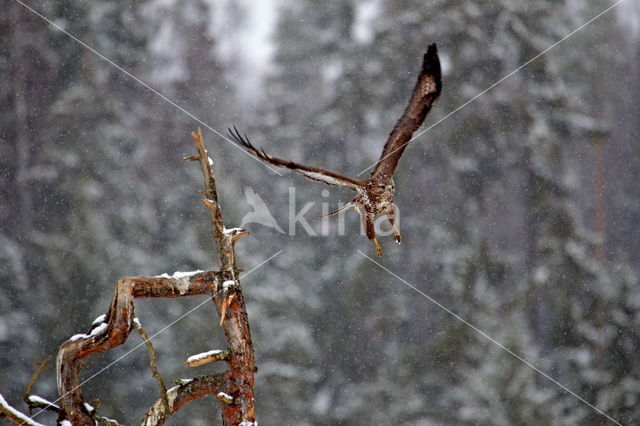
[
  {"x": 232, "y": 388},
  {"x": 113, "y": 329},
  {"x": 207, "y": 357},
  {"x": 14, "y": 415}
]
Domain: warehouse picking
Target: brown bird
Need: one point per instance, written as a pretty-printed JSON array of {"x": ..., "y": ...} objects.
[{"x": 374, "y": 196}]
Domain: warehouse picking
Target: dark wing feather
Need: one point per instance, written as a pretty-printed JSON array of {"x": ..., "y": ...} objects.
[
  {"x": 313, "y": 173},
  {"x": 424, "y": 96}
]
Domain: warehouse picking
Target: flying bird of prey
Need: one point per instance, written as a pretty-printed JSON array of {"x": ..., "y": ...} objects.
[{"x": 374, "y": 196}]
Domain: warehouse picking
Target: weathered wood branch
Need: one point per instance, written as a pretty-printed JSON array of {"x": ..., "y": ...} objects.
[
  {"x": 14, "y": 415},
  {"x": 180, "y": 395},
  {"x": 233, "y": 388},
  {"x": 112, "y": 329},
  {"x": 230, "y": 304},
  {"x": 153, "y": 361},
  {"x": 207, "y": 357},
  {"x": 39, "y": 367}
]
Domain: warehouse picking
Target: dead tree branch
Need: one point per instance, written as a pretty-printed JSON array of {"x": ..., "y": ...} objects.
[
  {"x": 230, "y": 303},
  {"x": 14, "y": 415},
  {"x": 179, "y": 396},
  {"x": 112, "y": 329},
  {"x": 233, "y": 388},
  {"x": 154, "y": 365}
]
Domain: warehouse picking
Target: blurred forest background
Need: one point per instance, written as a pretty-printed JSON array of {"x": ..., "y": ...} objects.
[{"x": 519, "y": 212}]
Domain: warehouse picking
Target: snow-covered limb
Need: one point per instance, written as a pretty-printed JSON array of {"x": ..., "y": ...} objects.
[
  {"x": 100, "y": 319},
  {"x": 185, "y": 392},
  {"x": 180, "y": 279},
  {"x": 36, "y": 401},
  {"x": 14, "y": 415},
  {"x": 230, "y": 305},
  {"x": 207, "y": 357},
  {"x": 228, "y": 285},
  {"x": 179, "y": 274},
  {"x": 235, "y": 233},
  {"x": 232, "y": 230},
  {"x": 95, "y": 331},
  {"x": 224, "y": 397},
  {"x": 102, "y": 336}
]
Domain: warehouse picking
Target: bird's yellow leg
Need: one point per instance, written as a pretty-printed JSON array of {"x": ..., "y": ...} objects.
[
  {"x": 378, "y": 248},
  {"x": 396, "y": 234}
]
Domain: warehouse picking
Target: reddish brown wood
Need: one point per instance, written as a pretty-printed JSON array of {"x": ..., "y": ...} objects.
[
  {"x": 74, "y": 353},
  {"x": 240, "y": 375},
  {"x": 237, "y": 381},
  {"x": 182, "y": 394}
]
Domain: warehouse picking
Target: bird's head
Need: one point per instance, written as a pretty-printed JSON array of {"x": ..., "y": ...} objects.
[{"x": 383, "y": 186}]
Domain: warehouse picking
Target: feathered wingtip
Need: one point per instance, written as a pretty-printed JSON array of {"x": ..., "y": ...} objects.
[
  {"x": 431, "y": 62},
  {"x": 243, "y": 140}
]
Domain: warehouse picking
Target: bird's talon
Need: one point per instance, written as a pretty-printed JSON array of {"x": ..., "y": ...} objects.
[
  {"x": 378, "y": 248},
  {"x": 398, "y": 238}
]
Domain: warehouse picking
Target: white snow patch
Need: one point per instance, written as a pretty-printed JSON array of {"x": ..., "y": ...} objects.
[
  {"x": 232, "y": 230},
  {"x": 136, "y": 321},
  {"x": 38, "y": 400},
  {"x": 89, "y": 407},
  {"x": 227, "y": 284},
  {"x": 179, "y": 274},
  {"x": 184, "y": 381},
  {"x": 25, "y": 420},
  {"x": 223, "y": 395},
  {"x": 182, "y": 277},
  {"x": 210, "y": 161},
  {"x": 98, "y": 330},
  {"x": 248, "y": 424},
  {"x": 202, "y": 355},
  {"x": 65, "y": 423},
  {"x": 100, "y": 319}
]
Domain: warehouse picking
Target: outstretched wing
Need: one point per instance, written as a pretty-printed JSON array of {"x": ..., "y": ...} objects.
[
  {"x": 424, "y": 96},
  {"x": 313, "y": 173}
]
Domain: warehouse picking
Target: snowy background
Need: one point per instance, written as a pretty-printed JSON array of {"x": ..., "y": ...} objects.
[{"x": 520, "y": 212}]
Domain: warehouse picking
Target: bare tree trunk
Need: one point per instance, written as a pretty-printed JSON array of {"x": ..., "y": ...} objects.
[{"x": 230, "y": 301}]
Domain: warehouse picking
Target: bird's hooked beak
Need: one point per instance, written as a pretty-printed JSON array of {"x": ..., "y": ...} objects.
[{"x": 390, "y": 188}]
